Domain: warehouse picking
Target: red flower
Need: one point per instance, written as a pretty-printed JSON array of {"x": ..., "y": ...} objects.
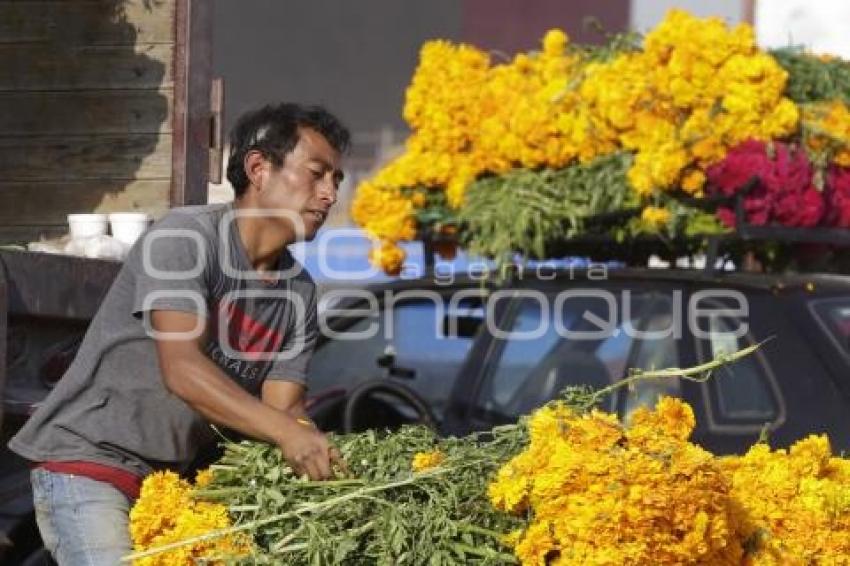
[
  {"x": 783, "y": 191},
  {"x": 746, "y": 161},
  {"x": 789, "y": 172},
  {"x": 804, "y": 208},
  {"x": 838, "y": 197}
]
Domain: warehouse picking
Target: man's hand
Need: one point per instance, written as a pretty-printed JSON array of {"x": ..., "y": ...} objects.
[{"x": 309, "y": 452}]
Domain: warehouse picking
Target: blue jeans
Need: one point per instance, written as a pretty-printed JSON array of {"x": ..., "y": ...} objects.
[{"x": 83, "y": 522}]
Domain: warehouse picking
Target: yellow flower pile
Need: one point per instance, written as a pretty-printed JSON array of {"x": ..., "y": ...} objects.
[
  {"x": 467, "y": 117},
  {"x": 826, "y": 128},
  {"x": 796, "y": 503},
  {"x": 601, "y": 494},
  {"x": 696, "y": 89},
  {"x": 598, "y": 493},
  {"x": 167, "y": 512}
]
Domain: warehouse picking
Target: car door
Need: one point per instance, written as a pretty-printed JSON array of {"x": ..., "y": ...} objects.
[{"x": 744, "y": 400}]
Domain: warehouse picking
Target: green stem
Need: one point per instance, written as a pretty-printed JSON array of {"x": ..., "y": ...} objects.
[
  {"x": 329, "y": 483},
  {"x": 292, "y": 548},
  {"x": 217, "y": 492},
  {"x": 243, "y": 508},
  {"x": 692, "y": 373},
  {"x": 480, "y": 530},
  {"x": 485, "y": 553},
  {"x": 287, "y": 539}
]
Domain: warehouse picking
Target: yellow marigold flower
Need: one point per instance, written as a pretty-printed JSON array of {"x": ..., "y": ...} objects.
[
  {"x": 597, "y": 495},
  {"x": 383, "y": 212},
  {"x": 693, "y": 181},
  {"x": 795, "y": 506},
  {"x": 423, "y": 461},
  {"x": 536, "y": 545},
  {"x": 203, "y": 478},
  {"x": 388, "y": 256},
  {"x": 166, "y": 512},
  {"x": 509, "y": 492},
  {"x": 671, "y": 417},
  {"x": 826, "y": 129},
  {"x": 655, "y": 217},
  {"x": 554, "y": 42}
]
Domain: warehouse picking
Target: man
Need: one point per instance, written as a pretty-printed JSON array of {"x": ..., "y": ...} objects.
[{"x": 210, "y": 320}]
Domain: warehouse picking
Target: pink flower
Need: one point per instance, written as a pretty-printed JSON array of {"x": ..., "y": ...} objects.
[
  {"x": 803, "y": 209},
  {"x": 789, "y": 172},
  {"x": 783, "y": 192},
  {"x": 838, "y": 197},
  {"x": 727, "y": 216},
  {"x": 758, "y": 204},
  {"x": 746, "y": 161}
]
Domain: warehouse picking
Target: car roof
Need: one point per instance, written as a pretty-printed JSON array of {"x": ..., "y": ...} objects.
[{"x": 813, "y": 283}]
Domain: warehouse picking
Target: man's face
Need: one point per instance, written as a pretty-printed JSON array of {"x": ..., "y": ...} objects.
[{"x": 306, "y": 184}]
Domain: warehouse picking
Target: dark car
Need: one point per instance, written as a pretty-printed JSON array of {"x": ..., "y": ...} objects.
[
  {"x": 394, "y": 337},
  {"x": 524, "y": 342},
  {"x": 464, "y": 354}
]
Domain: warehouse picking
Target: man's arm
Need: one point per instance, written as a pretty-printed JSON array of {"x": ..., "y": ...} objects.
[
  {"x": 287, "y": 396},
  {"x": 191, "y": 375}
]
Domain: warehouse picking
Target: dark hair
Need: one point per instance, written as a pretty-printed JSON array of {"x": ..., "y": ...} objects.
[{"x": 273, "y": 131}]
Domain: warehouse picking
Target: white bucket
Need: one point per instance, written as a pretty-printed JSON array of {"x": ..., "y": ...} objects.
[
  {"x": 128, "y": 226},
  {"x": 86, "y": 225}
]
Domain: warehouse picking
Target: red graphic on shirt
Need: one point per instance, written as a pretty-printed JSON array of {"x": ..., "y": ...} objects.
[{"x": 245, "y": 334}]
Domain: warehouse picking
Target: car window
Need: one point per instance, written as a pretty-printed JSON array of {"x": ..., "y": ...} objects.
[
  {"x": 741, "y": 393},
  {"x": 519, "y": 357},
  {"x": 421, "y": 344},
  {"x": 413, "y": 330},
  {"x": 834, "y": 317},
  {"x": 657, "y": 347},
  {"x": 344, "y": 363},
  {"x": 530, "y": 372}
]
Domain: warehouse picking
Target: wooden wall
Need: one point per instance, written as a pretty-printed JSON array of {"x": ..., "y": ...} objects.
[{"x": 86, "y": 106}]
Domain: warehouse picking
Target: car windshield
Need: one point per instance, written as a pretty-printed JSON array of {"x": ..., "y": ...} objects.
[{"x": 413, "y": 329}]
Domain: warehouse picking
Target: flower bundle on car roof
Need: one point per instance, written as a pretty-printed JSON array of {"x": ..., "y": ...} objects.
[{"x": 520, "y": 153}]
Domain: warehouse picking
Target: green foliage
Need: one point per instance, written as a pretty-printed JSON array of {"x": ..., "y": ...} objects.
[
  {"x": 523, "y": 210},
  {"x": 686, "y": 221},
  {"x": 811, "y": 79},
  {"x": 383, "y": 513}
]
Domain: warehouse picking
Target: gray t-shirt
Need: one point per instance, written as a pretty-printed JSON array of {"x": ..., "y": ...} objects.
[{"x": 112, "y": 407}]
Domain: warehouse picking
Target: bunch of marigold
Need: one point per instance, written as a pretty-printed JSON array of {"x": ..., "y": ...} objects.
[
  {"x": 795, "y": 503},
  {"x": 470, "y": 117},
  {"x": 598, "y": 493},
  {"x": 167, "y": 512},
  {"x": 696, "y": 89}
]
